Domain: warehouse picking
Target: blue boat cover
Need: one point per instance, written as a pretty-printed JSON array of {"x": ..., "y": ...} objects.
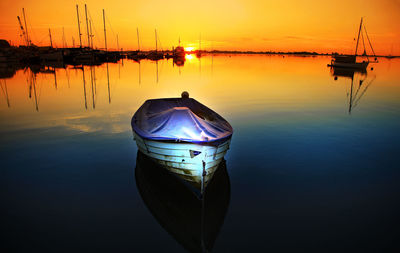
[{"x": 180, "y": 120}]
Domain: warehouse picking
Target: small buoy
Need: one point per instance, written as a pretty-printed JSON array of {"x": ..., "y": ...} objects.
[{"x": 185, "y": 94}]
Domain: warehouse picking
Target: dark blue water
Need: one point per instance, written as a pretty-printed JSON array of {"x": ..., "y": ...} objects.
[{"x": 304, "y": 174}]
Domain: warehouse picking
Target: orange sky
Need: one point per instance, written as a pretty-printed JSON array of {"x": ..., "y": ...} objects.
[{"x": 310, "y": 25}]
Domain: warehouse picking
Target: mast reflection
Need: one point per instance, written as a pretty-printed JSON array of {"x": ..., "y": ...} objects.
[{"x": 358, "y": 86}]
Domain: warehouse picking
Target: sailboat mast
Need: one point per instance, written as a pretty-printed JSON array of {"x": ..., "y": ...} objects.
[
  {"x": 51, "y": 41},
  {"x": 358, "y": 37},
  {"x": 26, "y": 28},
  {"x": 79, "y": 27},
  {"x": 91, "y": 34},
  {"x": 105, "y": 32},
  {"x": 64, "y": 40},
  {"x": 22, "y": 30},
  {"x": 138, "y": 43},
  {"x": 108, "y": 84},
  {"x": 117, "y": 43},
  {"x": 156, "y": 38},
  {"x": 87, "y": 26},
  {"x": 200, "y": 43}
]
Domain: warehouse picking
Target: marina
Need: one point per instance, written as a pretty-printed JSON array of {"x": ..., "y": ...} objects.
[{"x": 213, "y": 126}]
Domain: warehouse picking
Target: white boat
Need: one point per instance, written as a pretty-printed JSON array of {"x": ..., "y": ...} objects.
[{"x": 184, "y": 136}]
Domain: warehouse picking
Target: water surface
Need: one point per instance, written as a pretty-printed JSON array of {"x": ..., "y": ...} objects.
[{"x": 313, "y": 164}]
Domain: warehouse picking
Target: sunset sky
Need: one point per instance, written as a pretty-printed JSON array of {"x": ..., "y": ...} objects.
[{"x": 311, "y": 25}]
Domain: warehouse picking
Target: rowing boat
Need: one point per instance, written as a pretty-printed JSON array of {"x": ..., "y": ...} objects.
[{"x": 184, "y": 136}]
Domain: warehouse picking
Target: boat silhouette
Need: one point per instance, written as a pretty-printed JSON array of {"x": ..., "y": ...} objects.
[{"x": 350, "y": 61}]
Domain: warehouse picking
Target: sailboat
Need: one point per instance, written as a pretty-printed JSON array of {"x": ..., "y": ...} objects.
[
  {"x": 138, "y": 54},
  {"x": 155, "y": 55},
  {"x": 179, "y": 51},
  {"x": 350, "y": 61}
]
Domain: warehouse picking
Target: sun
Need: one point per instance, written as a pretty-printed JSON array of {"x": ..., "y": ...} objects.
[
  {"x": 188, "y": 49},
  {"x": 189, "y": 57}
]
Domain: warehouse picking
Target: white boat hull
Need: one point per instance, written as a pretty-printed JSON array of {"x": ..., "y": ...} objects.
[{"x": 186, "y": 160}]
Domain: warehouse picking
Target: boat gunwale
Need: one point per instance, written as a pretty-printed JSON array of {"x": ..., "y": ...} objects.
[{"x": 215, "y": 142}]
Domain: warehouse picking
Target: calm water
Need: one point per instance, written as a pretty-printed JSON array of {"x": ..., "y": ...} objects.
[{"x": 303, "y": 173}]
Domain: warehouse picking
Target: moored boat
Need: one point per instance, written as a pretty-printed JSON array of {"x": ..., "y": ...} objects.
[
  {"x": 179, "y": 51},
  {"x": 182, "y": 135},
  {"x": 350, "y": 61}
]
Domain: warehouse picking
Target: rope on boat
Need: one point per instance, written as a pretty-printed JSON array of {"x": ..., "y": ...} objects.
[{"x": 365, "y": 29}]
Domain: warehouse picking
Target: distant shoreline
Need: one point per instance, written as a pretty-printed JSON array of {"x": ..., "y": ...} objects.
[{"x": 296, "y": 53}]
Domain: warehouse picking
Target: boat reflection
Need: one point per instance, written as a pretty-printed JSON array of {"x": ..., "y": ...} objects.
[
  {"x": 358, "y": 86},
  {"x": 179, "y": 61},
  {"x": 7, "y": 70},
  {"x": 193, "y": 222}
]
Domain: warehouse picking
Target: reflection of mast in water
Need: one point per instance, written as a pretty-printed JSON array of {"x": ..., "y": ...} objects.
[
  {"x": 194, "y": 223},
  {"x": 29, "y": 85},
  {"x": 200, "y": 66},
  {"x": 140, "y": 75},
  {"x": 33, "y": 84},
  {"x": 119, "y": 68},
  {"x": 354, "y": 95},
  {"x": 212, "y": 58},
  {"x": 55, "y": 78},
  {"x": 34, "y": 89},
  {"x": 67, "y": 74},
  {"x": 5, "y": 92},
  {"x": 212, "y": 63},
  {"x": 108, "y": 84},
  {"x": 84, "y": 85},
  {"x": 92, "y": 82},
  {"x": 157, "y": 70},
  {"x": 354, "y": 99},
  {"x": 94, "y": 79}
]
